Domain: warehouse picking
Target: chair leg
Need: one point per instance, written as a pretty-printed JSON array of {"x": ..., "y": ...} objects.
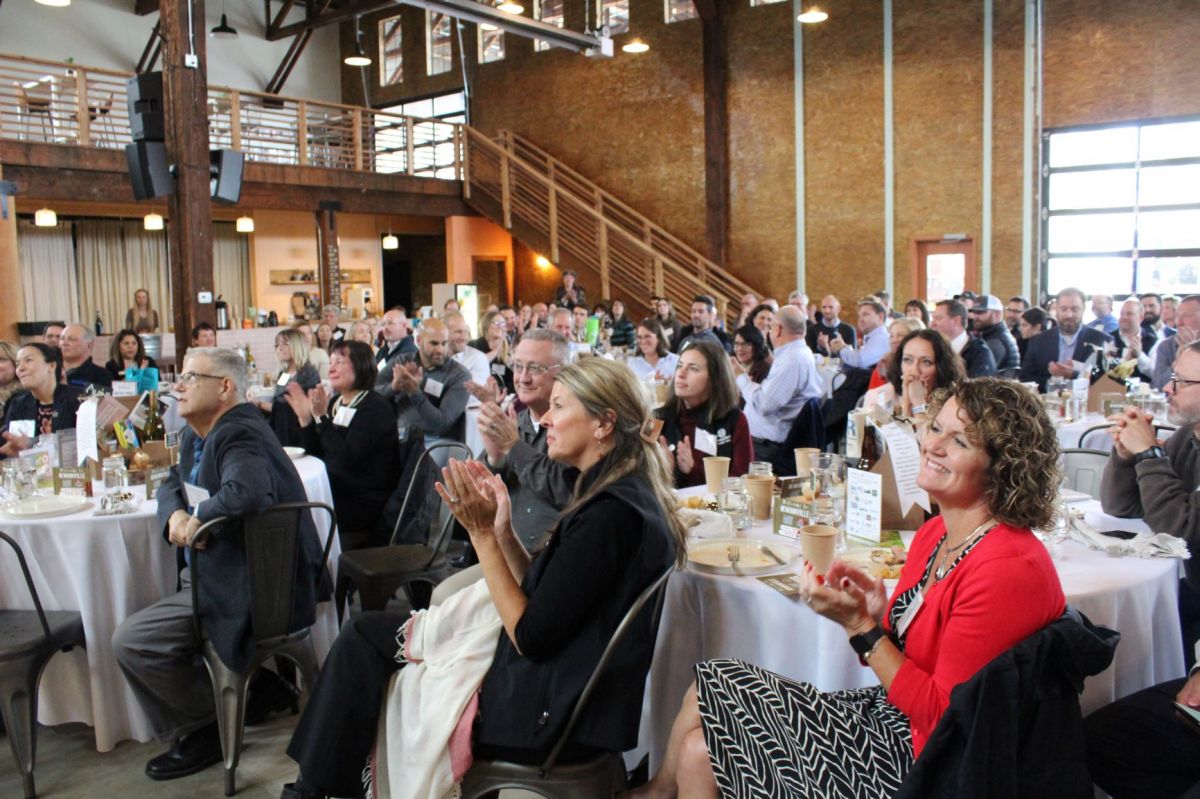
[
  {"x": 18, "y": 708},
  {"x": 229, "y": 691},
  {"x": 340, "y": 592}
]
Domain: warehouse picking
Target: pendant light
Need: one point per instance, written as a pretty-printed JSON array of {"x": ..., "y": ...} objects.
[
  {"x": 359, "y": 57},
  {"x": 54, "y": 3},
  {"x": 44, "y": 217},
  {"x": 245, "y": 224},
  {"x": 391, "y": 242},
  {"x": 510, "y": 7},
  {"x": 224, "y": 30},
  {"x": 152, "y": 221},
  {"x": 635, "y": 46},
  {"x": 812, "y": 15}
]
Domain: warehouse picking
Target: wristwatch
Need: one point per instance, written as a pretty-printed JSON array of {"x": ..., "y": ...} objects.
[
  {"x": 1150, "y": 454},
  {"x": 864, "y": 644}
]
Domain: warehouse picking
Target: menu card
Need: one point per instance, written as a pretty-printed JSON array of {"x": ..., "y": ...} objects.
[
  {"x": 125, "y": 388},
  {"x": 864, "y": 504},
  {"x": 156, "y": 476},
  {"x": 85, "y": 432},
  {"x": 905, "y": 455},
  {"x": 70, "y": 481}
]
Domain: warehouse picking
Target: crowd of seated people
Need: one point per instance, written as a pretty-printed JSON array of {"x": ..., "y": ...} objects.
[{"x": 569, "y": 497}]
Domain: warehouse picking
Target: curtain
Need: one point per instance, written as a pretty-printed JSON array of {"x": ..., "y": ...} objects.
[
  {"x": 116, "y": 258},
  {"x": 231, "y": 269},
  {"x": 47, "y": 258}
]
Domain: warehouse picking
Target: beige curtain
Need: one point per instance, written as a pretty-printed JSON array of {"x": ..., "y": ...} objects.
[
  {"x": 47, "y": 258},
  {"x": 231, "y": 269},
  {"x": 116, "y": 258}
]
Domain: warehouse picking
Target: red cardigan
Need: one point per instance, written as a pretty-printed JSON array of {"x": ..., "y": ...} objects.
[{"x": 1002, "y": 592}]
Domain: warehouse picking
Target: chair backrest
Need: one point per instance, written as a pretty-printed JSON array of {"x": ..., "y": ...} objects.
[
  {"x": 435, "y": 457},
  {"x": 272, "y": 542},
  {"x": 37, "y": 602},
  {"x": 1084, "y": 469},
  {"x": 808, "y": 428},
  {"x": 656, "y": 591},
  {"x": 1094, "y": 429}
]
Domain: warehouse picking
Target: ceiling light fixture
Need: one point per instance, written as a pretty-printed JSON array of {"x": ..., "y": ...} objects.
[
  {"x": 54, "y": 3},
  {"x": 152, "y": 221},
  {"x": 359, "y": 57},
  {"x": 245, "y": 224},
  {"x": 223, "y": 31},
  {"x": 44, "y": 217},
  {"x": 390, "y": 242},
  {"x": 812, "y": 15},
  {"x": 510, "y": 7},
  {"x": 543, "y": 261},
  {"x": 635, "y": 46}
]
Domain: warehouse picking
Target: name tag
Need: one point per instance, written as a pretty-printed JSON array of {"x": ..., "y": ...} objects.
[
  {"x": 283, "y": 379},
  {"x": 433, "y": 387},
  {"x": 195, "y": 495},
  {"x": 22, "y": 427},
  {"x": 706, "y": 442},
  {"x": 907, "y": 617},
  {"x": 497, "y": 369},
  {"x": 344, "y": 416}
]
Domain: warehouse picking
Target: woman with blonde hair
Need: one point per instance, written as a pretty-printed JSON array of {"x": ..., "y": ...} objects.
[
  {"x": 557, "y": 608},
  {"x": 292, "y": 353},
  {"x": 493, "y": 342},
  {"x": 361, "y": 331},
  {"x": 141, "y": 318},
  {"x": 9, "y": 384}
]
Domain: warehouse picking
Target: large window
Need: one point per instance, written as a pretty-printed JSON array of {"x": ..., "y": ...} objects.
[
  {"x": 439, "y": 49},
  {"x": 433, "y": 144},
  {"x": 1122, "y": 208},
  {"x": 550, "y": 12},
  {"x": 491, "y": 44},
  {"x": 678, "y": 10},
  {"x": 614, "y": 14},
  {"x": 391, "y": 59}
]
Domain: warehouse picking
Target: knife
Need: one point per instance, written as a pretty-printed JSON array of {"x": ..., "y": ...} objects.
[{"x": 772, "y": 554}]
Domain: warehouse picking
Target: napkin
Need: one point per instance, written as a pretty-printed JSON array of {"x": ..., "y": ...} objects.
[
  {"x": 706, "y": 523},
  {"x": 1159, "y": 545}
]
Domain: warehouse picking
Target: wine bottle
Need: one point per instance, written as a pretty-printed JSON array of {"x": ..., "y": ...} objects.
[{"x": 153, "y": 428}]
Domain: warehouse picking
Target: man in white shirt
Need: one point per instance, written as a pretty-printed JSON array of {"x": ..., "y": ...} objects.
[
  {"x": 772, "y": 406},
  {"x": 871, "y": 316},
  {"x": 472, "y": 359}
]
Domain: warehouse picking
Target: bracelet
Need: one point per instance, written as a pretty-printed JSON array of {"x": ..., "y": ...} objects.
[{"x": 867, "y": 655}]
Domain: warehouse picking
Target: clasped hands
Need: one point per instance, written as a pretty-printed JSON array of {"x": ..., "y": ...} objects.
[
  {"x": 181, "y": 529},
  {"x": 1133, "y": 432},
  {"x": 478, "y": 499},
  {"x": 846, "y": 595}
]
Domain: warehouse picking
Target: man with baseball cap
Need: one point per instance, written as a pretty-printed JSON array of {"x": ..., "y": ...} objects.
[{"x": 988, "y": 315}]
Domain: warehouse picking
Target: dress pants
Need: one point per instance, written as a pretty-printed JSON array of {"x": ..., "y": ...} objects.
[
  {"x": 1137, "y": 747},
  {"x": 157, "y": 651}
]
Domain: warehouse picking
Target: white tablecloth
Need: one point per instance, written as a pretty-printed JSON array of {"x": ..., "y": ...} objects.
[
  {"x": 473, "y": 439},
  {"x": 708, "y": 616},
  {"x": 107, "y": 568},
  {"x": 1068, "y": 434}
]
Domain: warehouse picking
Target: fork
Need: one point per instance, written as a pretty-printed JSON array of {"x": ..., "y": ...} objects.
[{"x": 734, "y": 554}]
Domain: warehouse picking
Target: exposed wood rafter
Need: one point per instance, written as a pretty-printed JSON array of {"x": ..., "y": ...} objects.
[{"x": 152, "y": 51}]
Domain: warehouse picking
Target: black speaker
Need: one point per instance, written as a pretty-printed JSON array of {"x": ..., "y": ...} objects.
[
  {"x": 145, "y": 97},
  {"x": 148, "y": 169},
  {"x": 225, "y": 175}
]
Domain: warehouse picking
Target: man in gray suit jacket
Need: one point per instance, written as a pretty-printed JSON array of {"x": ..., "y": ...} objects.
[
  {"x": 397, "y": 346},
  {"x": 230, "y": 465},
  {"x": 1187, "y": 330}
]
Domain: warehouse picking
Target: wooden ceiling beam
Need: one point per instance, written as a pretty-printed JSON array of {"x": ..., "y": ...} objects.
[{"x": 329, "y": 17}]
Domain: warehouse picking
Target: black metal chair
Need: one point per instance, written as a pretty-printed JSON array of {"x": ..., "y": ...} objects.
[
  {"x": 377, "y": 573},
  {"x": 28, "y": 639},
  {"x": 601, "y": 776},
  {"x": 272, "y": 543}
]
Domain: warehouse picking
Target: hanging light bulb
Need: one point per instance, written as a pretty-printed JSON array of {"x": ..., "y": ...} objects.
[
  {"x": 391, "y": 242},
  {"x": 245, "y": 224},
  {"x": 54, "y": 3},
  {"x": 152, "y": 221},
  {"x": 543, "y": 262},
  {"x": 44, "y": 217},
  {"x": 510, "y": 7},
  {"x": 359, "y": 57},
  {"x": 635, "y": 46},
  {"x": 813, "y": 14}
]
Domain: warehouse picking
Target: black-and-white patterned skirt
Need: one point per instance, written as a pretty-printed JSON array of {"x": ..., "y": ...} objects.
[{"x": 771, "y": 737}]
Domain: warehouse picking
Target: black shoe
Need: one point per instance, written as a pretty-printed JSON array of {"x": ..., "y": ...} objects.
[
  {"x": 195, "y": 752},
  {"x": 269, "y": 693},
  {"x": 300, "y": 790}
]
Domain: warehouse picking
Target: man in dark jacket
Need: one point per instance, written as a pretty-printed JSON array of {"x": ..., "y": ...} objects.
[
  {"x": 950, "y": 319},
  {"x": 81, "y": 371},
  {"x": 1133, "y": 340},
  {"x": 831, "y": 326},
  {"x": 994, "y": 333},
  {"x": 1054, "y": 353},
  {"x": 230, "y": 465}
]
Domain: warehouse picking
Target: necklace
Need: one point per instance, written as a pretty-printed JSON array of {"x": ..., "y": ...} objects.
[{"x": 944, "y": 567}]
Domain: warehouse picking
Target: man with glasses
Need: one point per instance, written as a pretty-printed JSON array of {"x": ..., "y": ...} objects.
[
  {"x": 1139, "y": 746},
  {"x": 430, "y": 391},
  {"x": 230, "y": 464},
  {"x": 516, "y": 448},
  {"x": 397, "y": 345}
]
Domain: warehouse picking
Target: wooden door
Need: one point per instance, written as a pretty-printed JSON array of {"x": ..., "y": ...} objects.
[{"x": 943, "y": 268}]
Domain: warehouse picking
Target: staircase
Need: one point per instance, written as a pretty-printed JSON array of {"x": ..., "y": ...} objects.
[{"x": 553, "y": 208}]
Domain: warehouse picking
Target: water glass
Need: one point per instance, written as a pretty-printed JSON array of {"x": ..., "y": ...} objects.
[
  {"x": 114, "y": 473},
  {"x": 735, "y": 502},
  {"x": 762, "y": 468}
]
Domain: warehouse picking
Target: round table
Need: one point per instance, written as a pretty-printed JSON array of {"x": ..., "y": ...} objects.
[
  {"x": 1068, "y": 434},
  {"x": 709, "y": 616},
  {"x": 108, "y": 567}
]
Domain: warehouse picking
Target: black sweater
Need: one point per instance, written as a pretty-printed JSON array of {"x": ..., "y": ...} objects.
[{"x": 363, "y": 461}]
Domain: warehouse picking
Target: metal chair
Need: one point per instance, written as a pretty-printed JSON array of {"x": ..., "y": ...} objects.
[
  {"x": 1084, "y": 469},
  {"x": 28, "y": 639},
  {"x": 601, "y": 776},
  {"x": 272, "y": 541},
  {"x": 377, "y": 573},
  {"x": 1094, "y": 429},
  {"x": 31, "y": 104}
]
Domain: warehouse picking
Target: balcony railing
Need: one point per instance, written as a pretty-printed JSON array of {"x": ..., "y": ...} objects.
[{"x": 61, "y": 103}]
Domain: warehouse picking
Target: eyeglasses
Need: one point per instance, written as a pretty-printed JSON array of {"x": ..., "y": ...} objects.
[
  {"x": 535, "y": 369},
  {"x": 1176, "y": 382},
  {"x": 189, "y": 378}
]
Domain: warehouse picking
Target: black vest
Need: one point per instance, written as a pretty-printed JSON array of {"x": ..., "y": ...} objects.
[{"x": 721, "y": 428}]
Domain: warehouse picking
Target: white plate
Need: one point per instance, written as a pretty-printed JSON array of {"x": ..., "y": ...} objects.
[
  {"x": 712, "y": 556},
  {"x": 45, "y": 507},
  {"x": 295, "y": 453}
]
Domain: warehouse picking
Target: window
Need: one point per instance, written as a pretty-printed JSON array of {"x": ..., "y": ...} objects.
[
  {"x": 491, "y": 44},
  {"x": 391, "y": 60},
  {"x": 433, "y": 141},
  {"x": 1122, "y": 208},
  {"x": 550, "y": 12},
  {"x": 679, "y": 10},
  {"x": 614, "y": 14},
  {"x": 439, "y": 52}
]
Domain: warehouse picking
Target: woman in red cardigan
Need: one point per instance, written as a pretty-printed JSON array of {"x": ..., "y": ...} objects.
[{"x": 976, "y": 583}]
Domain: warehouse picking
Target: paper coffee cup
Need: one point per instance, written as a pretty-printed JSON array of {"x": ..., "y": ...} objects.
[
  {"x": 661, "y": 392},
  {"x": 716, "y": 469},
  {"x": 817, "y": 544},
  {"x": 759, "y": 487},
  {"x": 804, "y": 460}
]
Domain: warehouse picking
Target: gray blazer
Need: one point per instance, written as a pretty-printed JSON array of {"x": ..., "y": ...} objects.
[{"x": 540, "y": 487}]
